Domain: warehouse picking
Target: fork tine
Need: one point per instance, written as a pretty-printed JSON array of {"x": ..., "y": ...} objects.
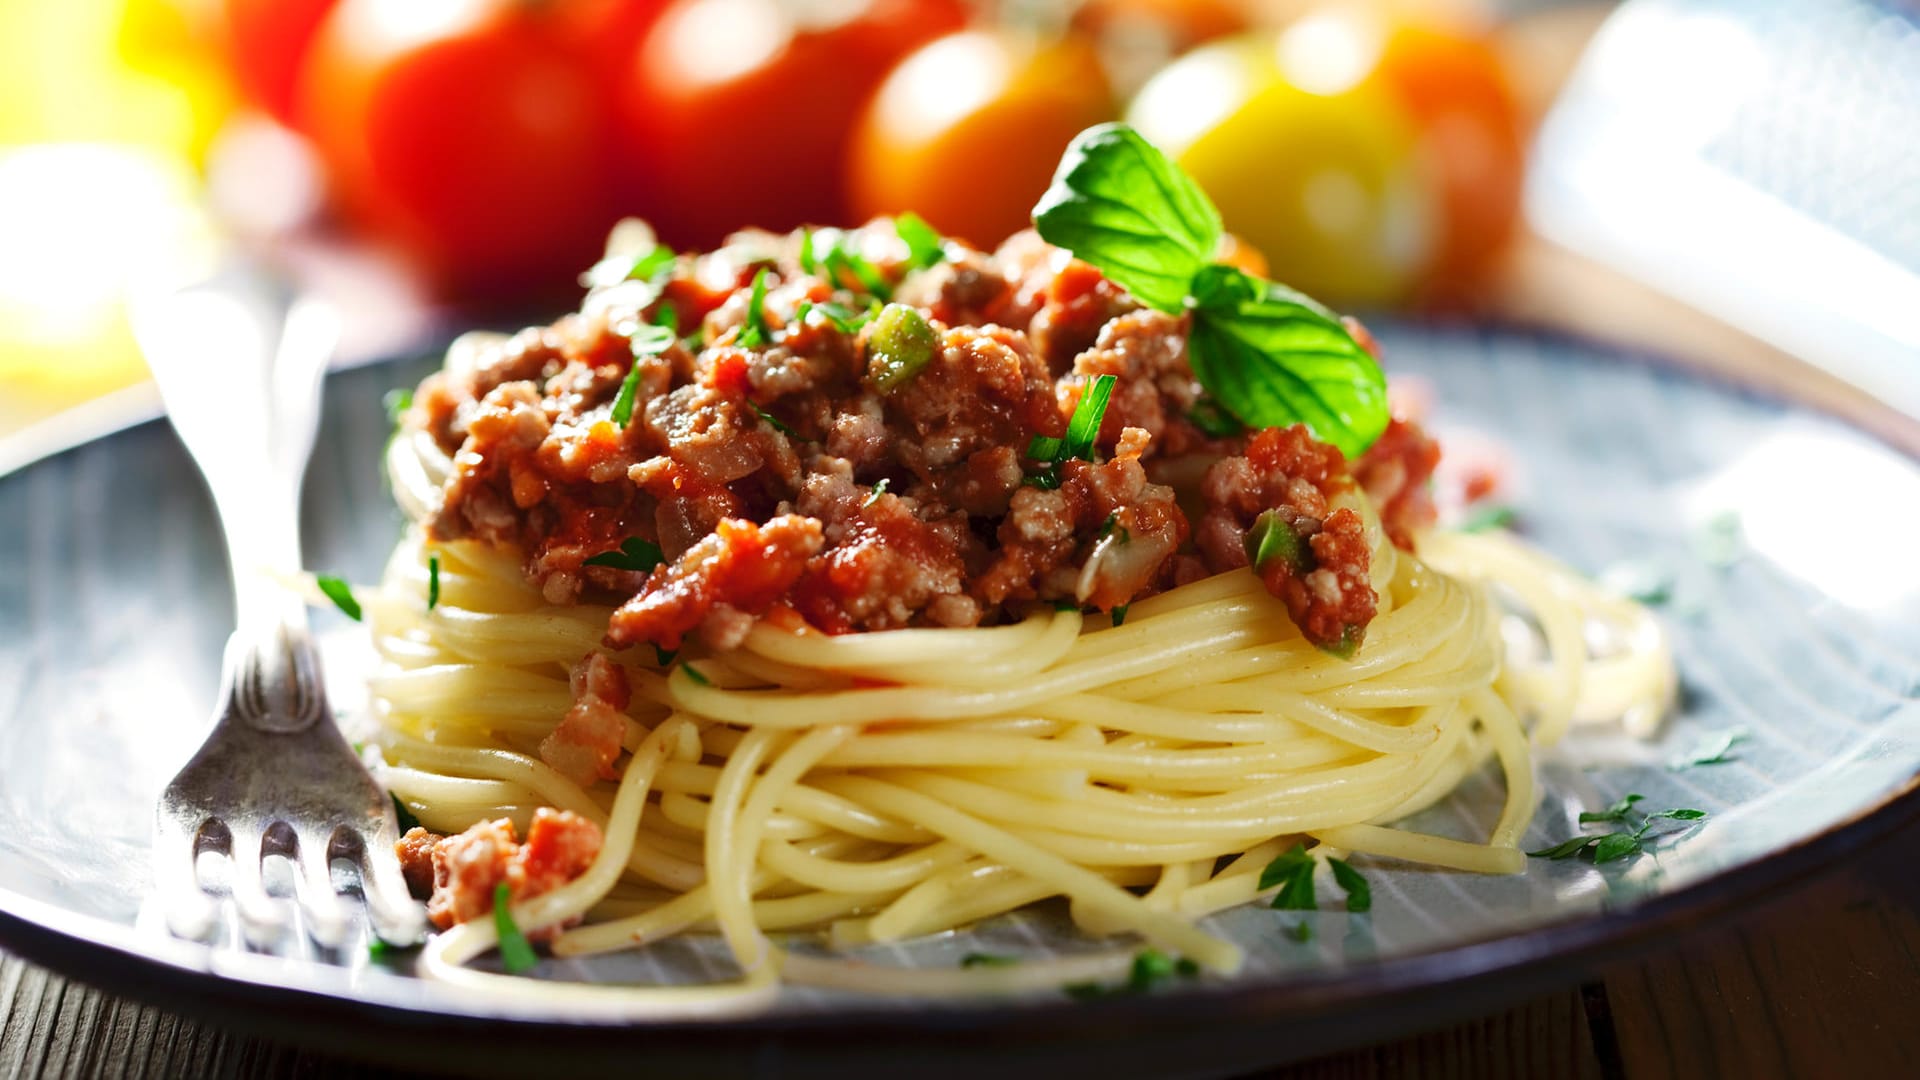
[
  {"x": 189, "y": 912},
  {"x": 327, "y": 917},
  {"x": 261, "y": 919},
  {"x": 396, "y": 917}
]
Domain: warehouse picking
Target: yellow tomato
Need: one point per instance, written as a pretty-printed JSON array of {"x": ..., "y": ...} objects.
[
  {"x": 1307, "y": 158},
  {"x": 967, "y": 131}
]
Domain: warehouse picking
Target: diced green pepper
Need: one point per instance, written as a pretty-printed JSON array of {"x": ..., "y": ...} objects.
[{"x": 901, "y": 345}]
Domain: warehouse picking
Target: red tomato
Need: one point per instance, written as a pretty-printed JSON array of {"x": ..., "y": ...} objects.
[
  {"x": 967, "y": 131},
  {"x": 468, "y": 133},
  {"x": 266, "y": 42},
  {"x": 738, "y": 114},
  {"x": 1468, "y": 128},
  {"x": 607, "y": 32}
]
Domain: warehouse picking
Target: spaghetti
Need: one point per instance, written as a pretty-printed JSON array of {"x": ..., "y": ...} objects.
[{"x": 1147, "y": 772}]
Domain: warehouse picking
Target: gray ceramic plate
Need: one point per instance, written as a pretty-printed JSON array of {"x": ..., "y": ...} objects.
[{"x": 1780, "y": 539}]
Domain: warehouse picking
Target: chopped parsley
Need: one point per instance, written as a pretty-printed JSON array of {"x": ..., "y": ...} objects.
[
  {"x": 1712, "y": 750},
  {"x": 1268, "y": 355},
  {"x": 664, "y": 657},
  {"x": 341, "y": 594},
  {"x": 696, "y": 675},
  {"x": 879, "y": 489},
  {"x": 1623, "y": 843},
  {"x": 1488, "y": 518},
  {"x": 1359, "y": 893},
  {"x": 924, "y": 246},
  {"x": 646, "y": 340},
  {"x": 1721, "y": 541},
  {"x": 1120, "y": 614},
  {"x": 397, "y": 402},
  {"x": 635, "y": 554},
  {"x": 516, "y": 952},
  {"x": 1083, "y": 432},
  {"x": 1151, "y": 968},
  {"x": 1642, "y": 579},
  {"x": 1292, "y": 871},
  {"x": 433, "y": 582},
  {"x": 774, "y": 422},
  {"x": 845, "y": 319},
  {"x": 647, "y": 265},
  {"x": 754, "y": 332},
  {"x": 402, "y": 815},
  {"x": 1301, "y": 931},
  {"x": 980, "y": 959},
  {"x": 834, "y": 251}
]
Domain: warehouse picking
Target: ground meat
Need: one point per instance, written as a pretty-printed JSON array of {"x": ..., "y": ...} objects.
[
  {"x": 415, "y": 851},
  {"x": 777, "y": 474},
  {"x": 1395, "y": 472},
  {"x": 1139, "y": 525},
  {"x": 469, "y": 867},
  {"x": 966, "y": 289},
  {"x": 883, "y": 564},
  {"x": 1077, "y": 302},
  {"x": 1287, "y": 472},
  {"x": 584, "y": 745},
  {"x": 740, "y": 564},
  {"x": 1154, "y": 390},
  {"x": 983, "y": 388}
]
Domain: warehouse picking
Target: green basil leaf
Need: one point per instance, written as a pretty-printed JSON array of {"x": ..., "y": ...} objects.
[
  {"x": 1212, "y": 420},
  {"x": 433, "y": 582},
  {"x": 1120, "y": 204},
  {"x": 1273, "y": 357}
]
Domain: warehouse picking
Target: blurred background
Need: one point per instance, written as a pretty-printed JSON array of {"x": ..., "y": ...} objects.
[{"x": 1692, "y": 176}]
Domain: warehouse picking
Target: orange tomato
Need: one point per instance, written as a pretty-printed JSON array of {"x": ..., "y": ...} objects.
[
  {"x": 967, "y": 131},
  {"x": 465, "y": 132},
  {"x": 1468, "y": 131},
  {"x": 738, "y": 112},
  {"x": 266, "y": 45}
]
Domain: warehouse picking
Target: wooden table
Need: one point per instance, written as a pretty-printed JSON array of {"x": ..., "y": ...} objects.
[{"x": 1823, "y": 980}]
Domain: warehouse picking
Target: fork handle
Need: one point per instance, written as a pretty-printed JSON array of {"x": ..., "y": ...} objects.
[{"x": 239, "y": 366}]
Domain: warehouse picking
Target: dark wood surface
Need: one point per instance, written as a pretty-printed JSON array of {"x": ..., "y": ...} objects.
[{"x": 1822, "y": 980}]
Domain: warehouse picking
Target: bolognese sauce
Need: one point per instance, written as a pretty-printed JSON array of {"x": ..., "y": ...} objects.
[{"x": 798, "y": 447}]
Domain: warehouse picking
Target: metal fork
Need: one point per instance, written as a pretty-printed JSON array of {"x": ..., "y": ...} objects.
[{"x": 239, "y": 363}]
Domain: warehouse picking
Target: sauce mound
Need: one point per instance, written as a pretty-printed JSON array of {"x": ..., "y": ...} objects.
[{"x": 798, "y": 448}]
